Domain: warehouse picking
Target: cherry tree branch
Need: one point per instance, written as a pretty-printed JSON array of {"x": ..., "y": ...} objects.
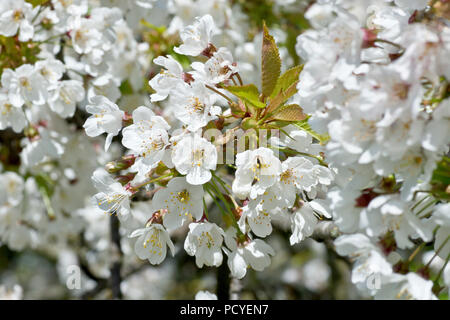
[{"x": 116, "y": 258}]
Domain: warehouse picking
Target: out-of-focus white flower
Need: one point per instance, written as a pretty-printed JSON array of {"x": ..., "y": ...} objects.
[
  {"x": 405, "y": 287},
  {"x": 14, "y": 293},
  {"x": 197, "y": 37},
  {"x": 411, "y": 4},
  {"x": 370, "y": 261},
  {"x": 11, "y": 116},
  {"x": 205, "y": 295},
  {"x": 16, "y": 16},
  {"x": 64, "y": 96},
  {"x": 441, "y": 216},
  {"x": 24, "y": 84}
]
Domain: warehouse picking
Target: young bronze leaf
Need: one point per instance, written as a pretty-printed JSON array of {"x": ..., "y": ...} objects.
[
  {"x": 281, "y": 98},
  {"x": 276, "y": 124},
  {"x": 291, "y": 112},
  {"x": 248, "y": 93},
  {"x": 270, "y": 63},
  {"x": 286, "y": 80}
]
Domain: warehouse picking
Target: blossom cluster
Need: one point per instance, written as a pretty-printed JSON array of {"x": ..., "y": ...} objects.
[
  {"x": 55, "y": 55},
  {"x": 264, "y": 187},
  {"x": 376, "y": 80},
  {"x": 201, "y": 132}
]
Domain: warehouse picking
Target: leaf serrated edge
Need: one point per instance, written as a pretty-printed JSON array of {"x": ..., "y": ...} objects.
[{"x": 269, "y": 81}]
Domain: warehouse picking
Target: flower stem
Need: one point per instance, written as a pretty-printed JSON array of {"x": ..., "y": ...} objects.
[
  {"x": 136, "y": 187},
  {"x": 414, "y": 254},
  {"x": 291, "y": 151},
  {"x": 239, "y": 78},
  {"x": 437, "y": 252},
  {"x": 442, "y": 270},
  {"x": 219, "y": 93}
]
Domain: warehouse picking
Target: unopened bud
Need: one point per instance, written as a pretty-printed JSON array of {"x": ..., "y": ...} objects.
[
  {"x": 122, "y": 164},
  {"x": 369, "y": 37},
  {"x": 127, "y": 119},
  {"x": 31, "y": 132},
  {"x": 156, "y": 218},
  {"x": 237, "y": 110},
  {"x": 124, "y": 179},
  {"x": 237, "y": 212},
  {"x": 46, "y": 23},
  {"x": 249, "y": 123}
]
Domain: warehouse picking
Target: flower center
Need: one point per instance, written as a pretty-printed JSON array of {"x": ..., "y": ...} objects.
[
  {"x": 155, "y": 242},
  {"x": 25, "y": 83},
  {"x": 18, "y": 15},
  {"x": 197, "y": 157},
  {"x": 286, "y": 176},
  {"x": 197, "y": 105},
  {"x": 206, "y": 239},
  {"x": 183, "y": 196},
  {"x": 6, "y": 109}
]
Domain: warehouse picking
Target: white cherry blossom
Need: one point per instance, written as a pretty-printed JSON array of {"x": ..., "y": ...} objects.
[
  {"x": 195, "y": 157},
  {"x": 204, "y": 241},
  {"x": 24, "y": 84},
  {"x": 169, "y": 77},
  {"x": 106, "y": 117},
  {"x": 194, "y": 105},
  {"x": 147, "y": 136},
  {"x": 256, "y": 171},
  {"x": 112, "y": 197},
  {"x": 197, "y": 37},
  {"x": 152, "y": 243},
  {"x": 255, "y": 253},
  {"x": 180, "y": 201},
  {"x": 16, "y": 16}
]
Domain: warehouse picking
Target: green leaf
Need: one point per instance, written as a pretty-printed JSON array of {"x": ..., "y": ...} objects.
[
  {"x": 126, "y": 88},
  {"x": 248, "y": 93},
  {"x": 46, "y": 188},
  {"x": 249, "y": 123},
  {"x": 238, "y": 109},
  {"x": 159, "y": 29},
  {"x": 286, "y": 80},
  {"x": 281, "y": 98},
  {"x": 304, "y": 125},
  {"x": 440, "y": 180},
  {"x": 270, "y": 63},
  {"x": 290, "y": 112},
  {"x": 36, "y": 3},
  {"x": 441, "y": 175},
  {"x": 276, "y": 124}
]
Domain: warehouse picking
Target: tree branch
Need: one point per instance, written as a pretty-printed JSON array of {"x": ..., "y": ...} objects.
[{"x": 116, "y": 258}]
